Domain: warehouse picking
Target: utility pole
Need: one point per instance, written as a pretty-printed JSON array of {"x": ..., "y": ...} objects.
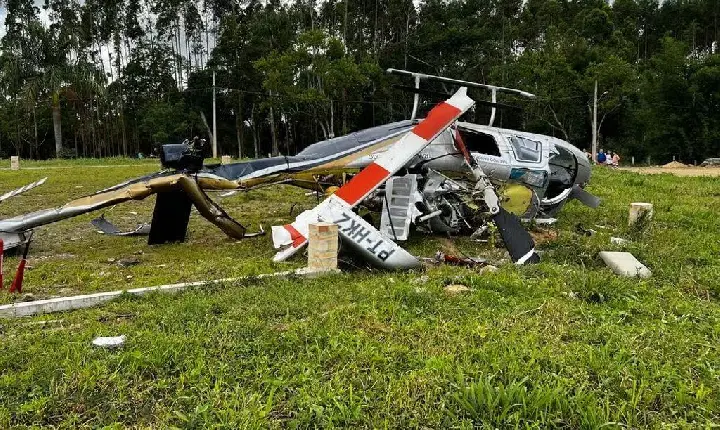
[
  {"x": 594, "y": 126},
  {"x": 214, "y": 136}
]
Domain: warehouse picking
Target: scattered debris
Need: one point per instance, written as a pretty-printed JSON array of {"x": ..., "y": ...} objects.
[
  {"x": 441, "y": 257},
  {"x": 128, "y": 262},
  {"x": 584, "y": 231},
  {"x": 625, "y": 264},
  {"x": 28, "y": 297},
  {"x": 545, "y": 221},
  {"x": 106, "y": 227},
  {"x": 456, "y": 289},
  {"x": 570, "y": 295},
  {"x": 618, "y": 241},
  {"x": 109, "y": 342},
  {"x": 478, "y": 234}
]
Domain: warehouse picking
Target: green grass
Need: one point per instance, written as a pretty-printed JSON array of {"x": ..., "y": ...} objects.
[{"x": 561, "y": 344}]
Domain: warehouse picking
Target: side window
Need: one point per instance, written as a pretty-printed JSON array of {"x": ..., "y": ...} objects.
[
  {"x": 526, "y": 149},
  {"x": 476, "y": 141}
]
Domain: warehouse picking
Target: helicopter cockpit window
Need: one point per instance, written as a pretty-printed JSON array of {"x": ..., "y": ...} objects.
[
  {"x": 482, "y": 143},
  {"x": 526, "y": 149}
]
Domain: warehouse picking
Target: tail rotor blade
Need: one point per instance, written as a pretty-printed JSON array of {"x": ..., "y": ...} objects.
[{"x": 518, "y": 241}]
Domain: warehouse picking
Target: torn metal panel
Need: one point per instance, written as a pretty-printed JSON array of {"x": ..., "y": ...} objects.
[{"x": 106, "y": 227}]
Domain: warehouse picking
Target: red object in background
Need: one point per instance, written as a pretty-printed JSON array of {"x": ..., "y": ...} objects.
[
  {"x": 2, "y": 244},
  {"x": 16, "y": 286}
]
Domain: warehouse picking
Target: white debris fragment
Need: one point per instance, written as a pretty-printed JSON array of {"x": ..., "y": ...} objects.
[
  {"x": 109, "y": 342},
  {"x": 625, "y": 264},
  {"x": 618, "y": 241},
  {"x": 545, "y": 221}
]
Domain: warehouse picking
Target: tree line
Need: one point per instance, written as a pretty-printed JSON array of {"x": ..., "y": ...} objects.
[{"x": 98, "y": 78}]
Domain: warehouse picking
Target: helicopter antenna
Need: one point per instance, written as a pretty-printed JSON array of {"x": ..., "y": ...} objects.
[{"x": 493, "y": 89}]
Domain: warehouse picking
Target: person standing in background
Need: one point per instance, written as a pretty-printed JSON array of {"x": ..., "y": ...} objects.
[
  {"x": 601, "y": 157},
  {"x": 616, "y": 160}
]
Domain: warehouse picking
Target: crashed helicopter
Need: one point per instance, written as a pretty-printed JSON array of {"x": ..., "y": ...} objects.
[{"x": 437, "y": 173}]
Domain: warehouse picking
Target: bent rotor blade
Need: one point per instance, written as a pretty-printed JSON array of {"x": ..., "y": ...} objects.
[
  {"x": 518, "y": 241},
  {"x": 22, "y": 189},
  {"x": 374, "y": 175}
]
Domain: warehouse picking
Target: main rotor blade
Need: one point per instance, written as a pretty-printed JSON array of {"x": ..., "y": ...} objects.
[{"x": 518, "y": 241}]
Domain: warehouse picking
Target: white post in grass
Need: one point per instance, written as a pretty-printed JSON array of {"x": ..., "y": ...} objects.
[
  {"x": 14, "y": 162},
  {"x": 640, "y": 211},
  {"x": 323, "y": 247}
]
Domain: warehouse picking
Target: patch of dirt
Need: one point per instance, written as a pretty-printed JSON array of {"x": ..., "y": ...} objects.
[
  {"x": 675, "y": 165},
  {"x": 541, "y": 236},
  {"x": 448, "y": 247},
  {"x": 684, "y": 171}
]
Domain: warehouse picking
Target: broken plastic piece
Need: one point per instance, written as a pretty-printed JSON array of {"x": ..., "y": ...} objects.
[
  {"x": 625, "y": 264},
  {"x": 584, "y": 231},
  {"x": 109, "y": 342}
]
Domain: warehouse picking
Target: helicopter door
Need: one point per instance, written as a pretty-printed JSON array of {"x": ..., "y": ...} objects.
[
  {"x": 530, "y": 165},
  {"x": 487, "y": 150}
]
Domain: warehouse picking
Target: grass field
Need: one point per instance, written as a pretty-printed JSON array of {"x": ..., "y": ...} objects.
[{"x": 561, "y": 344}]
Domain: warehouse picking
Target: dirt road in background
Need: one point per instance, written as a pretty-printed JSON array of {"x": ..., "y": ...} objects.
[{"x": 678, "y": 171}]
